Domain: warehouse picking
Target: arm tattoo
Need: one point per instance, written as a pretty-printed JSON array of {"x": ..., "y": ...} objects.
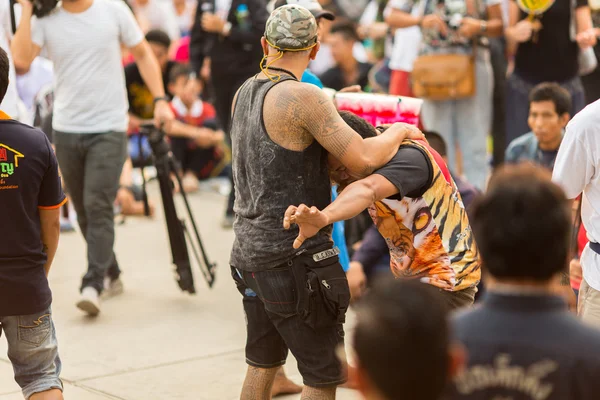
[
  {"x": 44, "y": 248},
  {"x": 295, "y": 114}
]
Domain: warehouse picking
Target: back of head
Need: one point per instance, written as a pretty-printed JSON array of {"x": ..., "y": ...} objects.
[
  {"x": 437, "y": 142},
  {"x": 401, "y": 340},
  {"x": 4, "y": 68},
  {"x": 347, "y": 29},
  {"x": 553, "y": 92},
  {"x": 158, "y": 37},
  {"x": 358, "y": 124},
  {"x": 522, "y": 225},
  {"x": 291, "y": 28}
]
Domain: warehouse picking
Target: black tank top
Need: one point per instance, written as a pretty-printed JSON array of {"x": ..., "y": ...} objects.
[{"x": 268, "y": 178}]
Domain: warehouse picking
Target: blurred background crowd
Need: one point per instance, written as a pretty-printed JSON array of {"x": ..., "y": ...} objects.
[{"x": 532, "y": 74}]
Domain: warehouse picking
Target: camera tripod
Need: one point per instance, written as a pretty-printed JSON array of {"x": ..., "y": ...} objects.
[{"x": 166, "y": 166}]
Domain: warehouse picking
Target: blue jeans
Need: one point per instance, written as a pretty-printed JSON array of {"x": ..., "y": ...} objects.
[
  {"x": 33, "y": 351},
  {"x": 466, "y": 122}
]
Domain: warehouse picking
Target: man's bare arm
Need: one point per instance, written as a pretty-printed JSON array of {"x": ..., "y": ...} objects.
[
  {"x": 50, "y": 232},
  {"x": 308, "y": 107},
  {"x": 23, "y": 50}
]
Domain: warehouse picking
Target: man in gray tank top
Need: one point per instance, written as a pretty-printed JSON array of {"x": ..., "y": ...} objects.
[{"x": 282, "y": 131}]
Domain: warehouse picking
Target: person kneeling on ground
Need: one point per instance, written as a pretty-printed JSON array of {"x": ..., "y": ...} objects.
[
  {"x": 417, "y": 209},
  {"x": 196, "y": 141}
]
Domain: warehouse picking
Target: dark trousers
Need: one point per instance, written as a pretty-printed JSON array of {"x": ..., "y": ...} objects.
[
  {"x": 91, "y": 167},
  {"x": 225, "y": 87},
  {"x": 499, "y": 66}
]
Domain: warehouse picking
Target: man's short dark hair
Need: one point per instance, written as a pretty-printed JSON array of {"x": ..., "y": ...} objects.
[
  {"x": 159, "y": 37},
  {"x": 437, "y": 142},
  {"x": 358, "y": 124},
  {"x": 347, "y": 29},
  {"x": 402, "y": 340},
  {"x": 552, "y": 92},
  {"x": 522, "y": 225},
  {"x": 4, "y": 68},
  {"x": 178, "y": 71}
]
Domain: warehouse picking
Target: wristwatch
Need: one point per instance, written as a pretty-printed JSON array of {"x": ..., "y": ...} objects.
[
  {"x": 483, "y": 27},
  {"x": 157, "y": 99}
]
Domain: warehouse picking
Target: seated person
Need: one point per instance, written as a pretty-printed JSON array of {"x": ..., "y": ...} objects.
[
  {"x": 416, "y": 208},
  {"x": 549, "y": 108},
  {"x": 141, "y": 102},
  {"x": 402, "y": 344},
  {"x": 348, "y": 70},
  {"x": 196, "y": 141},
  {"x": 129, "y": 196}
]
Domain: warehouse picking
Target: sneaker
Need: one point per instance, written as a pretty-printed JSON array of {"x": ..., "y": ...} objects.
[
  {"x": 112, "y": 287},
  {"x": 227, "y": 221},
  {"x": 89, "y": 301},
  {"x": 66, "y": 226}
]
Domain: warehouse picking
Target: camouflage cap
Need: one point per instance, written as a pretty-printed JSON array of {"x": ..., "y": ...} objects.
[{"x": 291, "y": 27}]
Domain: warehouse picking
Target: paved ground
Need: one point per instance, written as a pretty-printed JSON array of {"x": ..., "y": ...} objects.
[{"x": 153, "y": 342}]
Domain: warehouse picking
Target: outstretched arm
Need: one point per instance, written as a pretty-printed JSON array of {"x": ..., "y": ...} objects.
[{"x": 353, "y": 200}]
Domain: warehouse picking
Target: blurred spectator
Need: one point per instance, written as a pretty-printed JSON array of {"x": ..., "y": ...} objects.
[
  {"x": 576, "y": 171},
  {"x": 195, "y": 140},
  {"x": 545, "y": 49},
  {"x": 10, "y": 104},
  {"x": 130, "y": 197},
  {"x": 141, "y": 104},
  {"x": 452, "y": 28},
  {"x": 40, "y": 74},
  {"x": 375, "y": 31},
  {"x": 591, "y": 82},
  {"x": 347, "y": 71},
  {"x": 157, "y": 15},
  {"x": 90, "y": 113},
  {"x": 402, "y": 344},
  {"x": 229, "y": 32},
  {"x": 549, "y": 107},
  {"x": 185, "y": 11},
  {"x": 516, "y": 339}
]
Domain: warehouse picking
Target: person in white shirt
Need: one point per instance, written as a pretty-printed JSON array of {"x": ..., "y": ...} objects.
[
  {"x": 157, "y": 14},
  {"x": 83, "y": 39},
  {"x": 10, "y": 103},
  {"x": 577, "y": 170}
]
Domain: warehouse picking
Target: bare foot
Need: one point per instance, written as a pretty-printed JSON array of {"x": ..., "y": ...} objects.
[{"x": 283, "y": 385}]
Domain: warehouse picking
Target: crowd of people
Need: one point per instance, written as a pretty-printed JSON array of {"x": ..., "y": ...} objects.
[{"x": 491, "y": 199}]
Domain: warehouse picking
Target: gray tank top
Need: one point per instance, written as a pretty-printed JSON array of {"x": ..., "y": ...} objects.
[{"x": 268, "y": 178}]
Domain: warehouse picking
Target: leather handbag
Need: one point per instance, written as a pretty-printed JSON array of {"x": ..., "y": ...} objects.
[{"x": 444, "y": 76}]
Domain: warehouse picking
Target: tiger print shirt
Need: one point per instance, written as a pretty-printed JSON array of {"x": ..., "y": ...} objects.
[{"x": 429, "y": 236}]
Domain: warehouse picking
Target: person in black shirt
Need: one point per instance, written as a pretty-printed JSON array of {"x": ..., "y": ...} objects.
[
  {"x": 545, "y": 50},
  {"x": 30, "y": 199},
  {"x": 141, "y": 101},
  {"x": 522, "y": 341},
  {"x": 348, "y": 71}
]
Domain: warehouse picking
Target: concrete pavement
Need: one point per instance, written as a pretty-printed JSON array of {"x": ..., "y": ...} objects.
[{"x": 152, "y": 342}]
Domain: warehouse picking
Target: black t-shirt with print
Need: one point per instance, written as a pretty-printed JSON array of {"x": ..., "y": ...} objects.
[
  {"x": 29, "y": 181},
  {"x": 553, "y": 58},
  {"x": 141, "y": 101},
  {"x": 410, "y": 171}
]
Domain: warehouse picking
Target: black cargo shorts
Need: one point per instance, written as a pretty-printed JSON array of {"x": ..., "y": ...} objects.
[{"x": 301, "y": 306}]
